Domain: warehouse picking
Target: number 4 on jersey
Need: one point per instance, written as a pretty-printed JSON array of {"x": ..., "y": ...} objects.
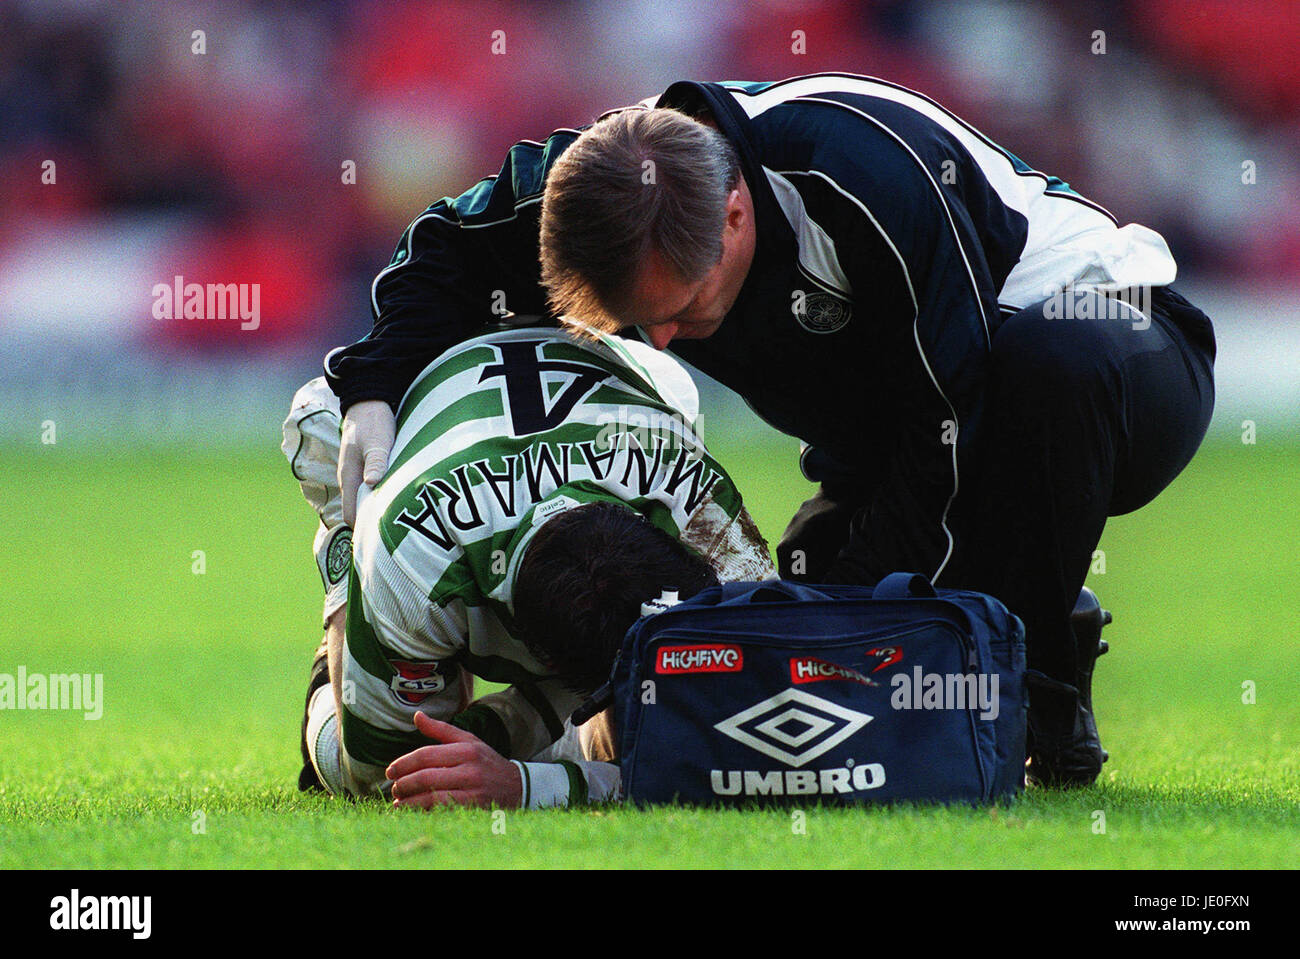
[{"x": 525, "y": 390}]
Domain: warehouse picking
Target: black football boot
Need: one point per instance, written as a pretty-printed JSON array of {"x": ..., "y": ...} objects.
[
  {"x": 1064, "y": 748},
  {"x": 308, "y": 781}
]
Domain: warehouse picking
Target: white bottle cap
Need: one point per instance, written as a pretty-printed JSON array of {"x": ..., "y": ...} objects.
[{"x": 667, "y": 599}]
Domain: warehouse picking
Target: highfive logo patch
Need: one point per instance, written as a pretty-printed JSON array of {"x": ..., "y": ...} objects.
[
  {"x": 703, "y": 658},
  {"x": 810, "y": 669}
]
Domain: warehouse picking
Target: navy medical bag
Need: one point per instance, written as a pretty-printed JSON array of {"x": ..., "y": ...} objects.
[{"x": 780, "y": 692}]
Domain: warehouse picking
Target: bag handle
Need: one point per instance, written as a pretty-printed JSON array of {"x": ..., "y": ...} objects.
[
  {"x": 768, "y": 591},
  {"x": 903, "y": 586},
  {"x": 893, "y": 586}
]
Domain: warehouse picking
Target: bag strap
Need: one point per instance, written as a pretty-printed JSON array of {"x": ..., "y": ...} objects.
[
  {"x": 597, "y": 702},
  {"x": 903, "y": 586}
]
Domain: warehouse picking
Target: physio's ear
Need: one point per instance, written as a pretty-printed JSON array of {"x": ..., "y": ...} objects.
[{"x": 736, "y": 214}]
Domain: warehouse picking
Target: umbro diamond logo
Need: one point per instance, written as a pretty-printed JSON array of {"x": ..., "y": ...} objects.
[{"x": 793, "y": 726}]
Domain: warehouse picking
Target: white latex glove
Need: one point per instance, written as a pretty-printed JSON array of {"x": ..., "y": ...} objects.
[{"x": 369, "y": 429}]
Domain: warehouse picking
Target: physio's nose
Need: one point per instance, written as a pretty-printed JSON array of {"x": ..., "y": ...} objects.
[{"x": 661, "y": 334}]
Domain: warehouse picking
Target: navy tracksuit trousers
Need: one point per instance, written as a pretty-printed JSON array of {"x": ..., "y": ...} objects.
[{"x": 1082, "y": 419}]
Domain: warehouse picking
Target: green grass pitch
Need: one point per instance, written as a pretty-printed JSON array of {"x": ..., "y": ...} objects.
[{"x": 193, "y": 762}]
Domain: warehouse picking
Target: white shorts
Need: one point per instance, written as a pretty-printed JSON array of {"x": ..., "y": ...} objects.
[{"x": 311, "y": 442}]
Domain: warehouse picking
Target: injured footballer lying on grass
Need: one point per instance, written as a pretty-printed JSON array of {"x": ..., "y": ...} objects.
[{"x": 525, "y": 515}]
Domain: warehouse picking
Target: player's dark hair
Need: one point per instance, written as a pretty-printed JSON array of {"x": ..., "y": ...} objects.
[{"x": 582, "y": 581}]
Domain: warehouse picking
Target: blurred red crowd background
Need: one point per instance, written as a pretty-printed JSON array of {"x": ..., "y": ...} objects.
[{"x": 231, "y": 164}]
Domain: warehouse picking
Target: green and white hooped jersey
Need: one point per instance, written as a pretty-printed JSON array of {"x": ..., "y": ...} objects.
[{"x": 496, "y": 436}]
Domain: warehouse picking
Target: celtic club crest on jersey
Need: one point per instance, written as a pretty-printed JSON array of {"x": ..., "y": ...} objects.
[
  {"x": 338, "y": 559},
  {"x": 824, "y": 313}
]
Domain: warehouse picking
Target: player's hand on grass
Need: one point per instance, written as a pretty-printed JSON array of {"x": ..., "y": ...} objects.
[
  {"x": 369, "y": 428},
  {"x": 459, "y": 770}
]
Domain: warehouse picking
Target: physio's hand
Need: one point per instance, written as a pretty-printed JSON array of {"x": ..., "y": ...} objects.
[
  {"x": 460, "y": 770},
  {"x": 367, "y": 438}
]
